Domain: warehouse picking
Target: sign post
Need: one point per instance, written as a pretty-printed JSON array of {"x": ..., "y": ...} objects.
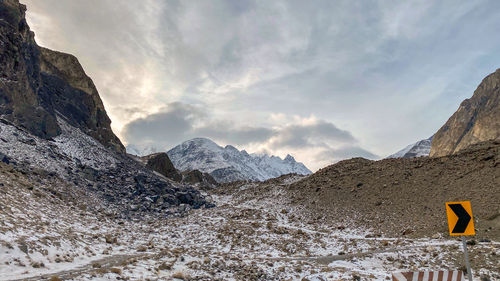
[
  {"x": 460, "y": 222},
  {"x": 467, "y": 264}
]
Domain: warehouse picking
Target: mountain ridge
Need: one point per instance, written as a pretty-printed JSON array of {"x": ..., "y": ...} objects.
[
  {"x": 477, "y": 119},
  {"x": 417, "y": 149},
  {"x": 228, "y": 163}
]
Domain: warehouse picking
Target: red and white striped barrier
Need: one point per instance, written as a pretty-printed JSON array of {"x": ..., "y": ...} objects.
[{"x": 456, "y": 275}]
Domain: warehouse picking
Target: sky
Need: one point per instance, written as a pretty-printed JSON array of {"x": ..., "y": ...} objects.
[{"x": 320, "y": 80}]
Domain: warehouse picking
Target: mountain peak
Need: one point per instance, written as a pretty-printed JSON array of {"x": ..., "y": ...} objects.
[
  {"x": 200, "y": 140},
  {"x": 418, "y": 149},
  {"x": 231, "y": 148},
  {"x": 228, "y": 164},
  {"x": 476, "y": 120}
]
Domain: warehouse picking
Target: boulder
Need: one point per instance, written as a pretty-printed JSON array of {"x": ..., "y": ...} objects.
[{"x": 160, "y": 163}]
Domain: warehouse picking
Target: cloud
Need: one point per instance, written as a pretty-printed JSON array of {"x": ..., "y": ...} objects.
[
  {"x": 232, "y": 134},
  {"x": 318, "y": 133},
  {"x": 346, "y": 152},
  {"x": 378, "y": 75},
  {"x": 171, "y": 125},
  {"x": 178, "y": 122}
]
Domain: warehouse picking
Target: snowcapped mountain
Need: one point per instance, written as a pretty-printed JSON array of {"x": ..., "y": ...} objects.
[
  {"x": 228, "y": 164},
  {"x": 141, "y": 150},
  {"x": 418, "y": 149}
]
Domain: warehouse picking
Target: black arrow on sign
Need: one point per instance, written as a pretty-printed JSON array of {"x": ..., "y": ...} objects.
[{"x": 463, "y": 218}]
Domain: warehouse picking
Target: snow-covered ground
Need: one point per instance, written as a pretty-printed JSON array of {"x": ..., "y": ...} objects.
[
  {"x": 55, "y": 156},
  {"x": 250, "y": 236}
]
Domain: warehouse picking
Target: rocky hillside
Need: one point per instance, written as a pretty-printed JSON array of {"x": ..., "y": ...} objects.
[
  {"x": 37, "y": 84},
  {"x": 228, "y": 164},
  {"x": 406, "y": 196},
  {"x": 53, "y": 125},
  {"x": 476, "y": 120},
  {"x": 418, "y": 149}
]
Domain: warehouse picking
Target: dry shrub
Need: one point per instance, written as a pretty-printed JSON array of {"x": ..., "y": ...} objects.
[
  {"x": 180, "y": 275},
  {"x": 116, "y": 270}
]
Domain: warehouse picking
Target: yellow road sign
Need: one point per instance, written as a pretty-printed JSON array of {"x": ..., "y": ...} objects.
[{"x": 460, "y": 219}]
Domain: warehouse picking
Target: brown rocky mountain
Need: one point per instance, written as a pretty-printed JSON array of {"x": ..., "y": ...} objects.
[
  {"x": 393, "y": 197},
  {"x": 37, "y": 85},
  {"x": 476, "y": 120}
]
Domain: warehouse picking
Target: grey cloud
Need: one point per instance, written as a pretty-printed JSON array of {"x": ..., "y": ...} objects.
[
  {"x": 394, "y": 71},
  {"x": 335, "y": 154},
  {"x": 234, "y": 135},
  {"x": 179, "y": 122},
  {"x": 168, "y": 127},
  {"x": 311, "y": 135}
]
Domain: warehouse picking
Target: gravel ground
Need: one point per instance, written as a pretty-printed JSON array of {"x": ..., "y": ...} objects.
[{"x": 256, "y": 232}]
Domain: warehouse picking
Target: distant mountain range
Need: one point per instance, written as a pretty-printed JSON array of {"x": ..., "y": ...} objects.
[
  {"x": 141, "y": 151},
  {"x": 227, "y": 164},
  {"x": 418, "y": 149}
]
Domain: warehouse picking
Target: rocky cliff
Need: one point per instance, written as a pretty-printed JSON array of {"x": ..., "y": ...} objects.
[
  {"x": 476, "y": 120},
  {"x": 55, "y": 130},
  {"x": 37, "y": 84}
]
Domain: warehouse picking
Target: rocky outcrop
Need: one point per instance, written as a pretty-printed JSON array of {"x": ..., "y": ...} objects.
[
  {"x": 476, "y": 120},
  {"x": 197, "y": 177},
  {"x": 160, "y": 163},
  {"x": 37, "y": 84},
  {"x": 80, "y": 102}
]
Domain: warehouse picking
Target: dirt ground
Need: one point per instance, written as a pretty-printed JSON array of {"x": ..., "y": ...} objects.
[{"x": 406, "y": 196}]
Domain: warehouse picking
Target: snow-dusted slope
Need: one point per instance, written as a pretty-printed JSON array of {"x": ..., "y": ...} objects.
[
  {"x": 418, "y": 149},
  {"x": 228, "y": 164}
]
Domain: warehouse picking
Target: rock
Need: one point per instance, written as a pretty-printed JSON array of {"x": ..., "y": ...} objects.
[
  {"x": 476, "y": 120},
  {"x": 160, "y": 163},
  {"x": 38, "y": 82},
  {"x": 485, "y": 278},
  {"x": 183, "y": 208},
  {"x": 4, "y": 158},
  {"x": 407, "y": 231},
  {"x": 23, "y": 247},
  {"x": 471, "y": 242},
  {"x": 110, "y": 239},
  {"x": 195, "y": 177}
]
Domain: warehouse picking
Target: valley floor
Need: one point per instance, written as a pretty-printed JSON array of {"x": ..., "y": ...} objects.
[{"x": 249, "y": 236}]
